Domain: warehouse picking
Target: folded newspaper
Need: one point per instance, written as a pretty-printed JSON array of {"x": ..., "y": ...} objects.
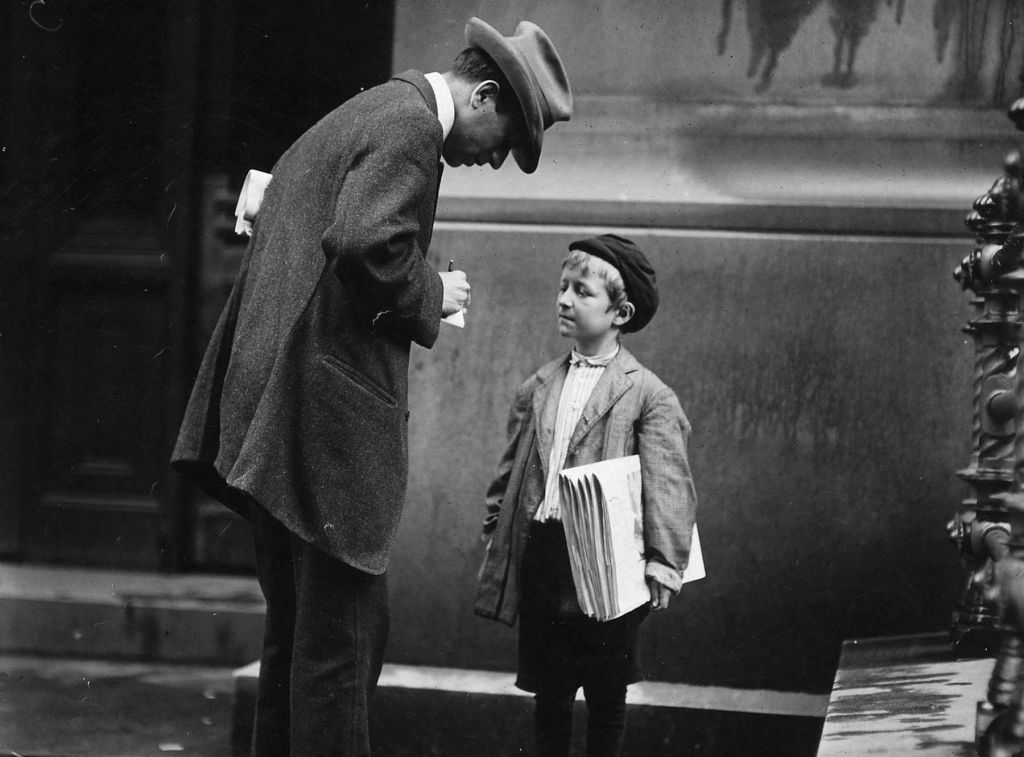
[
  {"x": 602, "y": 512},
  {"x": 249, "y": 200}
]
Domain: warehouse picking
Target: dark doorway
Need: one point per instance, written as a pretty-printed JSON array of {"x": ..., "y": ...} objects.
[{"x": 129, "y": 129}]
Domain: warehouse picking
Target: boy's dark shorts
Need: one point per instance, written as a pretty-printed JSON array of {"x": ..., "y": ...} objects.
[{"x": 558, "y": 647}]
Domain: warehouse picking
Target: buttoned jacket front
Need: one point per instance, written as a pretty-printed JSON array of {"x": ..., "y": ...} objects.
[{"x": 630, "y": 411}]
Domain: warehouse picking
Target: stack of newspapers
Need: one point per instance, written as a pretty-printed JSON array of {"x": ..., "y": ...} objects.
[{"x": 602, "y": 511}]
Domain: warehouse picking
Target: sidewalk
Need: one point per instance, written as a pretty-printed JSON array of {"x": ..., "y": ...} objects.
[{"x": 68, "y": 707}]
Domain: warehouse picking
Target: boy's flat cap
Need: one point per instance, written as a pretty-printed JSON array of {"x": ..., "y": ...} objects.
[
  {"x": 636, "y": 271},
  {"x": 533, "y": 68}
]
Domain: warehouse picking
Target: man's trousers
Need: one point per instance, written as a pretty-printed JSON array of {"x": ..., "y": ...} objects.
[{"x": 323, "y": 647}]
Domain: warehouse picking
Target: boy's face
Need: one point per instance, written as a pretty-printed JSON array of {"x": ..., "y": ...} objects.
[{"x": 584, "y": 308}]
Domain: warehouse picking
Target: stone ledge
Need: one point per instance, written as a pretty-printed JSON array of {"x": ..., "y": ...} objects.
[
  {"x": 903, "y": 695},
  {"x": 643, "y": 694},
  {"x": 633, "y": 162}
]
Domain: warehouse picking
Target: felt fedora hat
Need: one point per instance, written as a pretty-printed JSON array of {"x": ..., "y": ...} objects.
[{"x": 532, "y": 66}]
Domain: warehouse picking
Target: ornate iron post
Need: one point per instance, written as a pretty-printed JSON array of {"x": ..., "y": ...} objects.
[
  {"x": 981, "y": 528},
  {"x": 995, "y": 272}
]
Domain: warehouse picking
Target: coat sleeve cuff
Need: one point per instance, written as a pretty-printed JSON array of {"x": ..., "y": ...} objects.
[{"x": 666, "y": 576}]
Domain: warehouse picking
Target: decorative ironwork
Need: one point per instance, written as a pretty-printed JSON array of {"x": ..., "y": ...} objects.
[
  {"x": 990, "y": 529},
  {"x": 981, "y": 529}
]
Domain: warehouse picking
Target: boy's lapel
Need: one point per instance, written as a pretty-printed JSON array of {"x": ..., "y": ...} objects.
[
  {"x": 614, "y": 382},
  {"x": 545, "y": 409}
]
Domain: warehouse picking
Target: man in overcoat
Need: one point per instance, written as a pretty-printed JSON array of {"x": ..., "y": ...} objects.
[{"x": 298, "y": 416}]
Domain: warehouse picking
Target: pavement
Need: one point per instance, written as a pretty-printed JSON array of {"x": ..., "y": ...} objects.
[{"x": 66, "y": 707}]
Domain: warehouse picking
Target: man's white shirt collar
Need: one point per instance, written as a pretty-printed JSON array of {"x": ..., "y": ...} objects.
[{"x": 445, "y": 103}]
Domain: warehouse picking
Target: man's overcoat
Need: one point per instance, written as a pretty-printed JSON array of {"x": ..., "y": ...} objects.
[{"x": 301, "y": 399}]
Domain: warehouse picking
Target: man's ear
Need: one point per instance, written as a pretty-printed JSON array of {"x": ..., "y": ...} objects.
[
  {"x": 483, "y": 93},
  {"x": 624, "y": 314}
]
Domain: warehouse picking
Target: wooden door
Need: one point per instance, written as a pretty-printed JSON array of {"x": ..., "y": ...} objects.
[
  {"x": 99, "y": 220},
  {"x": 131, "y": 124}
]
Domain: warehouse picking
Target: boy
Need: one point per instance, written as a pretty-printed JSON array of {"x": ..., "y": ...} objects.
[{"x": 594, "y": 404}]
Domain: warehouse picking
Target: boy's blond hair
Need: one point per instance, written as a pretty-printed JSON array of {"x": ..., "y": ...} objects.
[{"x": 585, "y": 263}]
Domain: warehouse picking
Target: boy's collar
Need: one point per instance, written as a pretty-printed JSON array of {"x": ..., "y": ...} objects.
[
  {"x": 598, "y": 361},
  {"x": 623, "y": 361}
]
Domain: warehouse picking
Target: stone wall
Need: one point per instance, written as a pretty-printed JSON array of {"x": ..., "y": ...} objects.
[{"x": 811, "y": 327}]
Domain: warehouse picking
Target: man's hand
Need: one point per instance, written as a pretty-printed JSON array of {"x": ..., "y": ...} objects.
[
  {"x": 660, "y": 595},
  {"x": 456, "y": 292}
]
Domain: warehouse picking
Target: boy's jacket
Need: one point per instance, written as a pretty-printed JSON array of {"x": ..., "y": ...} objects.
[{"x": 631, "y": 411}]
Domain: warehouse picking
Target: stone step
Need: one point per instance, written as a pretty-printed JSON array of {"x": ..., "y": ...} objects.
[
  {"x": 421, "y": 710},
  {"x": 153, "y": 617}
]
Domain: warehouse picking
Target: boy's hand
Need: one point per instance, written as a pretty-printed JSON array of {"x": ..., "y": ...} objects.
[
  {"x": 456, "y": 292},
  {"x": 660, "y": 595}
]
